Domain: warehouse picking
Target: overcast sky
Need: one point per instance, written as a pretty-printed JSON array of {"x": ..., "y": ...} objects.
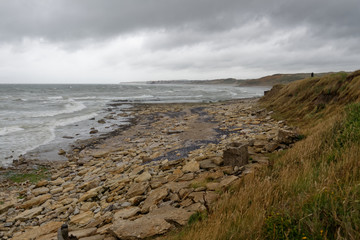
[{"x": 111, "y": 41}]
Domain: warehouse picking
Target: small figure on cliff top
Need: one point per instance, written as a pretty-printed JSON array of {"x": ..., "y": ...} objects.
[{"x": 312, "y": 74}]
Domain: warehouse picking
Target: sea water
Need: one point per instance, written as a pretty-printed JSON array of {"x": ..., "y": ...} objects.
[{"x": 39, "y": 119}]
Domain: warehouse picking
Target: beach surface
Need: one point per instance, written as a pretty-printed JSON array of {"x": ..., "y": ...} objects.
[{"x": 145, "y": 178}]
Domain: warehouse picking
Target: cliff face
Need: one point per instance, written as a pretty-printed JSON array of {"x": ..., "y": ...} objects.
[
  {"x": 310, "y": 191},
  {"x": 311, "y": 98}
]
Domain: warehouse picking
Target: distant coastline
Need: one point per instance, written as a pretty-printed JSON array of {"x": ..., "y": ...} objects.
[{"x": 268, "y": 81}]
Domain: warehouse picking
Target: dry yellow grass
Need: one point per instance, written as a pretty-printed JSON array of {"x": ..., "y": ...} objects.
[{"x": 311, "y": 191}]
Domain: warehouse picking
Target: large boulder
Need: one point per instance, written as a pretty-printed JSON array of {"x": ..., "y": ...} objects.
[
  {"x": 236, "y": 154},
  {"x": 286, "y": 136}
]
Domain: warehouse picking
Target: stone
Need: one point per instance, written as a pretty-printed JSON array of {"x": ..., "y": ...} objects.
[
  {"x": 228, "y": 180},
  {"x": 145, "y": 176},
  {"x": 56, "y": 190},
  {"x": 126, "y": 213},
  {"x": 90, "y": 194},
  {"x": 187, "y": 202},
  {"x": 41, "y": 183},
  {"x": 99, "y": 153},
  {"x": 83, "y": 232},
  {"x": 87, "y": 206},
  {"x": 197, "y": 197},
  {"x": 137, "y": 189},
  {"x": 192, "y": 166},
  {"x": 28, "y": 214},
  {"x": 40, "y": 191},
  {"x": 101, "y": 121},
  {"x": 136, "y": 171},
  {"x": 187, "y": 177},
  {"x": 36, "y": 201},
  {"x": 270, "y": 147},
  {"x": 211, "y": 197},
  {"x": 37, "y": 232},
  {"x": 141, "y": 228},
  {"x": 134, "y": 201},
  {"x": 155, "y": 223},
  {"x": 82, "y": 218},
  {"x": 94, "y": 131},
  {"x": 213, "y": 186},
  {"x": 61, "y": 152},
  {"x": 218, "y": 161},
  {"x": 175, "y": 187},
  {"x": 179, "y": 216},
  {"x": 154, "y": 198},
  {"x": 236, "y": 154},
  {"x": 177, "y": 173},
  {"x": 196, "y": 207},
  {"x": 95, "y": 237},
  {"x": 207, "y": 164},
  {"x": 6, "y": 206},
  {"x": 286, "y": 136},
  {"x": 57, "y": 182}
]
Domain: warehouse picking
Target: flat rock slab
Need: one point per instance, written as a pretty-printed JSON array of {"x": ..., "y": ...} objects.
[
  {"x": 36, "y": 201},
  {"x": 27, "y": 214},
  {"x": 126, "y": 213},
  {"x": 37, "y": 232},
  {"x": 155, "y": 223},
  {"x": 140, "y": 228},
  {"x": 154, "y": 198}
]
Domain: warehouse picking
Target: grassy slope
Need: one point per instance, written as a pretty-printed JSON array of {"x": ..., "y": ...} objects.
[
  {"x": 274, "y": 79},
  {"x": 311, "y": 191}
]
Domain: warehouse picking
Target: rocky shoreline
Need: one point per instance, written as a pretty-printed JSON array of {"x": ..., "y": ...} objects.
[{"x": 147, "y": 178}]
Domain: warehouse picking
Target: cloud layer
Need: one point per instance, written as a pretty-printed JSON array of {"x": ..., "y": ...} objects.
[{"x": 111, "y": 41}]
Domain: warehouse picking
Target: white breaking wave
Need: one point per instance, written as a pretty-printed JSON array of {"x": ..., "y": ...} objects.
[
  {"x": 70, "y": 107},
  {"x": 68, "y": 121},
  {"x": 11, "y": 129}
]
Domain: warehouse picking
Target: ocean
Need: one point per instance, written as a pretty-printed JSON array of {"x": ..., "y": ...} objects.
[{"x": 38, "y": 120}]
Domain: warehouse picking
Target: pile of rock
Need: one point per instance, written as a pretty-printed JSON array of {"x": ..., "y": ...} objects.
[{"x": 117, "y": 191}]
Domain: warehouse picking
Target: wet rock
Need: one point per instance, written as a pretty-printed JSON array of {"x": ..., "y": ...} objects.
[
  {"x": 61, "y": 152},
  {"x": 101, "y": 121},
  {"x": 94, "y": 131}
]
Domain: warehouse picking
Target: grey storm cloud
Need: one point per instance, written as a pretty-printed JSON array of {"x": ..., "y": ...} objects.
[
  {"x": 184, "y": 37},
  {"x": 63, "y": 20}
]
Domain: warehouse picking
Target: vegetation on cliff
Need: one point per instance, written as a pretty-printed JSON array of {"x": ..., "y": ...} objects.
[{"x": 311, "y": 191}]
